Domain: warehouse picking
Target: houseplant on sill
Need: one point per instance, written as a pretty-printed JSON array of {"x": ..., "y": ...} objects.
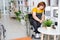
[{"x": 47, "y": 23}]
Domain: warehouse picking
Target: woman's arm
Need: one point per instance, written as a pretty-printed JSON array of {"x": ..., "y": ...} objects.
[
  {"x": 43, "y": 17},
  {"x": 35, "y": 17}
]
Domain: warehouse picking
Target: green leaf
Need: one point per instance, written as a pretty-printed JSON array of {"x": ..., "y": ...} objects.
[
  {"x": 47, "y": 23},
  {"x": 18, "y": 15},
  {"x": 26, "y": 17},
  {"x": 18, "y": 18}
]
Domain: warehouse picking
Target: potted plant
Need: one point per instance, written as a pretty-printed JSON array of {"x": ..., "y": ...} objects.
[
  {"x": 47, "y": 23},
  {"x": 18, "y": 13},
  {"x": 25, "y": 19}
]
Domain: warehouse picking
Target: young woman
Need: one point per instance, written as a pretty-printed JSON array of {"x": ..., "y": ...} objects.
[{"x": 38, "y": 15}]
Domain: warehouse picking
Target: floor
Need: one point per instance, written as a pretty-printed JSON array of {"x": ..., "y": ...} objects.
[{"x": 14, "y": 29}]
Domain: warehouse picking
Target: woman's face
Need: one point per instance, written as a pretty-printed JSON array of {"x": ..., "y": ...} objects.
[{"x": 41, "y": 7}]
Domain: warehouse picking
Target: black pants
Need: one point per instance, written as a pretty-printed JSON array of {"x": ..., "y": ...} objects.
[{"x": 35, "y": 23}]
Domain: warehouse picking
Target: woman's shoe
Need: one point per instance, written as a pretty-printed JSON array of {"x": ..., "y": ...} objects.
[{"x": 37, "y": 36}]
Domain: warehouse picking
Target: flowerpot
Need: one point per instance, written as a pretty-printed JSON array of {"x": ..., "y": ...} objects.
[{"x": 48, "y": 28}]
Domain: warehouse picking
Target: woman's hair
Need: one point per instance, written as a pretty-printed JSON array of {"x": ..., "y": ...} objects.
[{"x": 41, "y": 4}]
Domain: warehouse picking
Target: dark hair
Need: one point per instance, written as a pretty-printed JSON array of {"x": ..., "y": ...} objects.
[{"x": 41, "y": 4}]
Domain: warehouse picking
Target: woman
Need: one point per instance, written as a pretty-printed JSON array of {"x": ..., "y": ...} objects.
[{"x": 38, "y": 15}]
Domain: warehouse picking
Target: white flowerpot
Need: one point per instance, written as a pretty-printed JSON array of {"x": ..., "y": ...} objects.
[{"x": 48, "y": 28}]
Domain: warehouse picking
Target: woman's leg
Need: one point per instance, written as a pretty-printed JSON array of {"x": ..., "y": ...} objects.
[{"x": 36, "y": 25}]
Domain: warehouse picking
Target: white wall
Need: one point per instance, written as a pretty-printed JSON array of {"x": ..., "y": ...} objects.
[
  {"x": 1, "y": 5},
  {"x": 30, "y": 3},
  {"x": 59, "y": 17}
]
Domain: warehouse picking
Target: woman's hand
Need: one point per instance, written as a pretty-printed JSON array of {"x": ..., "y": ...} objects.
[{"x": 41, "y": 21}]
